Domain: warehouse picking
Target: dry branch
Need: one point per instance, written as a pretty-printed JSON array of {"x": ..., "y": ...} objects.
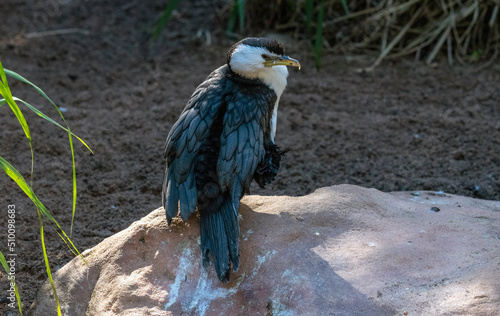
[
  {"x": 468, "y": 28},
  {"x": 464, "y": 31}
]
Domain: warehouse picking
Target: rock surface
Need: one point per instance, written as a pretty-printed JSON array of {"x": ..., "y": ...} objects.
[{"x": 342, "y": 250}]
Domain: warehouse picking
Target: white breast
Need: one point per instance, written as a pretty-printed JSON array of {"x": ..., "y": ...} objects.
[
  {"x": 275, "y": 78},
  {"x": 274, "y": 120}
]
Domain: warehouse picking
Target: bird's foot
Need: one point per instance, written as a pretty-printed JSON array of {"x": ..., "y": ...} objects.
[{"x": 268, "y": 168}]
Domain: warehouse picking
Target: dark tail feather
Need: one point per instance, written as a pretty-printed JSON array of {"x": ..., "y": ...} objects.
[{"x": 219, "y": 237}]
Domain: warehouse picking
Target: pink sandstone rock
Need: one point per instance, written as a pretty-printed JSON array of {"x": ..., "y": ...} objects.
[{"x": 342, "y": 250}]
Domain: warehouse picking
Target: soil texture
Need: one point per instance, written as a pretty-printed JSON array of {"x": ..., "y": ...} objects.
[{"x": 404, "y": 126}]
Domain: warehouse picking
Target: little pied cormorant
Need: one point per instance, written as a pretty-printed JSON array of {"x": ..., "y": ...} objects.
[{"x": 223, "y": 139}]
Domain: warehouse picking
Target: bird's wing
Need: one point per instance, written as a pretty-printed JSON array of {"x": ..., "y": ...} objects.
[
  {"x": 183, "y": 143},
  {"x": 246, "y": 124}
]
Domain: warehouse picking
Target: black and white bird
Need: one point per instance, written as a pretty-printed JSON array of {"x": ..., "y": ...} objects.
[{"x": 223, "y": 139}]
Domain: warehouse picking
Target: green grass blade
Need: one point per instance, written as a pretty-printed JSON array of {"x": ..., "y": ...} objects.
[
  {"x": 241, "y": 14},
  {"x": 47, "y": 266},
  {"x": 17, "y": 111},
  {"x": 232, "y": 18},
  {"x": 21, "y": 182},
  {"x": 160, "y": 25},
  {"x": 70, "y": 134},
  {"x": 318, "y": 41},
  {"x": 346, "y": 8},
  {"x": 4, "y": 79},
  {"x": 74, "y": 184},
  {"x": 12, "y": 280},
  {"x": 309, "y": 14},
  {"x": 7, "y": 95},
  {"x": 68, "y": 242},
  {"x": 70, "y": 249},
  {"x": 44, "y": 116},
  {"x": 21, "y": 78}
]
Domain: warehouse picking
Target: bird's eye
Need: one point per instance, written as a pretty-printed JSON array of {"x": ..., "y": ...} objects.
[{"x": 266, "y": 57}]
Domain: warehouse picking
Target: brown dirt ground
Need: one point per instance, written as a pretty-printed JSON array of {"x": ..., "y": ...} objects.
[{"x": 404, "y": 126}]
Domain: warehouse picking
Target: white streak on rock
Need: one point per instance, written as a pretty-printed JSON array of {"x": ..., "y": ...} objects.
[
  {"x": 261, "y": 260},
  {"x": 206, "y": 292},
  {"x": 184, "y": 267}
]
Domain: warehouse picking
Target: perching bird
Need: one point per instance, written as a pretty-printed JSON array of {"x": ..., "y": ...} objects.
[{"x": 223, "y": 139}]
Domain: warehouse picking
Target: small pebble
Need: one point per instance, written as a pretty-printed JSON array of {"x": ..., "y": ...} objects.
[{"x": 434, "y": 209}]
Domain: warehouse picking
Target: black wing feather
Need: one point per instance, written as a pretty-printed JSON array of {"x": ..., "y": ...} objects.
[
  {"x": 183, "y": 144},
  {"x": 246, "y": 121}
]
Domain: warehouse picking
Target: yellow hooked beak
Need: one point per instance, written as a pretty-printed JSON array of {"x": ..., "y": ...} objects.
[{"x": 283, "y": 60}]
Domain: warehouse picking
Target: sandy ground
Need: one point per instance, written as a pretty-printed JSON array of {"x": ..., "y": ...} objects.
[{"x": 405, "y": 126}]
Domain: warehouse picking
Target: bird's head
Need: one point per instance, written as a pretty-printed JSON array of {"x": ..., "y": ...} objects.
[{"x": 260, "y": 58}]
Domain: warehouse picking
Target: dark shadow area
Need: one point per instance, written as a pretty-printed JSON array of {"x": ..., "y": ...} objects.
[{"x": 305, "y": 282}]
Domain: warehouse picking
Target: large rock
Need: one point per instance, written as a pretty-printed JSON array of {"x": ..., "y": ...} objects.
[{"x": 342, "y": 250}]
